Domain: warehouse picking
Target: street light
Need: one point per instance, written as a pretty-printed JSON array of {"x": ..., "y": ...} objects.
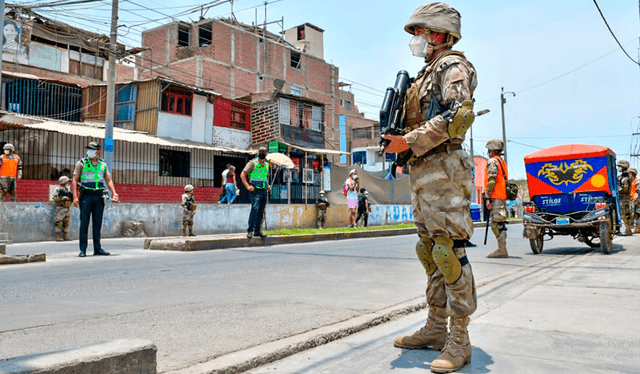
[{"x": 504, "y": 135}]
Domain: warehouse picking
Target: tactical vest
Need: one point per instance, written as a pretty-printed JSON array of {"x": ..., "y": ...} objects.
[
  {"x": 258, "y": 177},
  {"x": 500, "y": 188},
  {"x": 412, "y": 106},
  {"x": 9, "y": 166},
  {"x": 92, "y": 177},
  {"x": 624, "y": 184}
]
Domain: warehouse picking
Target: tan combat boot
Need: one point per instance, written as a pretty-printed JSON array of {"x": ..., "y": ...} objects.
[
  {"x": 184, "y": 230},
  {"x": 191, "y": 231},
  {"x": 58, "y": 236},
  {"x": 457, "y": 351},
  {"x": 433, "y": 333},
  {"x": 65, "y": 236},
  {"x": 637, "y": 230},
  {"x": 501, "y": 252}
]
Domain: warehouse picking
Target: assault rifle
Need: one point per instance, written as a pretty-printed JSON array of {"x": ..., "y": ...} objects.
[{"x": 65, "y": 193}]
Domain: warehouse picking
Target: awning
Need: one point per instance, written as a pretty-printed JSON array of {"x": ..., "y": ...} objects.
[
  {"x": 317, "y": 151},
  {"x": 96, "y": 130}
]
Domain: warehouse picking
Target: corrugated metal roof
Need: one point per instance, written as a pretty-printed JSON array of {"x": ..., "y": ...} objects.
[{"x": 96, "y": 130}]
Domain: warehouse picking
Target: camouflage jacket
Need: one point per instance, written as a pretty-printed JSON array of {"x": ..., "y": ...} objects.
[{"x": 450, "y": 77}]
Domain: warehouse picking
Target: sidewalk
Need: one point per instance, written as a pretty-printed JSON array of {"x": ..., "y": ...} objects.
[
  {"x": 226, "y": 241},
  {"x": 577, "y": 314}
]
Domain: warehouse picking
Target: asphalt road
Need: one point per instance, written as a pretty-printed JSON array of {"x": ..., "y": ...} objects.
[{"x": 196, "y": 306}]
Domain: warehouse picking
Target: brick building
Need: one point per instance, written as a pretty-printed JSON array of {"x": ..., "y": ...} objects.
[{"x": 238, "y": 60}]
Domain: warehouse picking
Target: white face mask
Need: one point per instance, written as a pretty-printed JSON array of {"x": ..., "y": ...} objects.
[
  {"x": 7, "y": 151},
  {"x": 419, "y": 46},
  {"x": 91, "y": 153}
]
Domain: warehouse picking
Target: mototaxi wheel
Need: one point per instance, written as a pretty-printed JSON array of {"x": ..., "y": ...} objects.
[
  {"x": 606, "y": 237},
  {"x": 537, "y": 243}
]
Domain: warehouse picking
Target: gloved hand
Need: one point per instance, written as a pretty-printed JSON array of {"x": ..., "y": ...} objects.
[
  {"x": 237, "y": 192},
  {"x": 462, "y": 120}
]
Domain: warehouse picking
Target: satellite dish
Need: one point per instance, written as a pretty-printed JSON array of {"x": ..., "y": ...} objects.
[{"x": 278, "y": 84}]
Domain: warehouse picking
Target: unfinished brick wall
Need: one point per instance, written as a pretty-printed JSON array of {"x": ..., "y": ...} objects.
[{"x": 264, "y": 121}]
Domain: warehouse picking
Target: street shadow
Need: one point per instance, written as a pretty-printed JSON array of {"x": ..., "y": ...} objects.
[
  {"x": 421, "y": 359},
  {"x": 563, "y": 251}
]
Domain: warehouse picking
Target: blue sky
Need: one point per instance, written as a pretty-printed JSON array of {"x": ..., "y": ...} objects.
[{"x": 573, "y": 83}]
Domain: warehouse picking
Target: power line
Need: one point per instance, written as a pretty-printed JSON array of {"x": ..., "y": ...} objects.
[
  {"x": 614, "y": 35},
  {"x": 526, "y": 145}
]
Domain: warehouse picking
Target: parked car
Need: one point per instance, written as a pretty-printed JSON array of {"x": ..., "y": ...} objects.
[{"x": 573, "y": 190}]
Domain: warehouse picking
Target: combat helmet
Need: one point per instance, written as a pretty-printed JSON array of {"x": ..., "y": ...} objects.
[
  {"x": 63, "y": 179},
  {"x": 633, "y": 171},
  {"x": 623, "y": 164},
  {"x": 321, "y": 192},
  {"x": 495, "y": 145},
  {"x": 9, "y": 146},
  {"x": 437, "y": 17},
  {"x": 188, "y": 188}
]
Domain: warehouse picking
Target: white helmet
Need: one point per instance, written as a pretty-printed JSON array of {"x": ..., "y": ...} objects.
[
  {"x": 63, "y": 179},
  {"x": 9, "y": 146},
  {"x": 188, "y": 188}
]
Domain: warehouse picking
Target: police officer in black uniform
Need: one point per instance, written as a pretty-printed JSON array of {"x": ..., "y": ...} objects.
[{"x": 91, "y": 177}]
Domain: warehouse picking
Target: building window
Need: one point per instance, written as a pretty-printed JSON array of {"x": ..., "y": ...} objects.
[
  {"x": 301, "y": 32},
  {"x": 204, "y": 35},
  {"x": 177, "y": 101},
  {"x": 295, "y": 59},
  {"x": 239, "y": 118},
  {"x": 360, "y": 157},
  {"x": 175, "y": 163},
  {"x": 347, "y": 105},
  {"x": 285, "y": 116},
  {"x": 362, "y": 133},
  {"x": 295, "y": 90},
  {"x": 316, "y": 118},
  {"x": 183, "y": 35}
]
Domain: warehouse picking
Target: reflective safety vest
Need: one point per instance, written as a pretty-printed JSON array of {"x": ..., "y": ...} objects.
[
  {"x": 258, "y": 177},
  {"x": 92, "y": 177},
  {"x": 9, "y": 166},
  {"x": 634, "y": 187},
  {"x": 500, "y": 189}
]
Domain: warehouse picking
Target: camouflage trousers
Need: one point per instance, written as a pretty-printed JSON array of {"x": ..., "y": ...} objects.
[
  {"x": 625, "y": 212},
  {"x": 441, "y": 186},
  {"x": 498, "y": 214},
  {"x": 322, "y": 216},
  {"x": 187, "y": 217},
  {"x": 61, "y": 219},
  {"x": 8, "y": 188}
]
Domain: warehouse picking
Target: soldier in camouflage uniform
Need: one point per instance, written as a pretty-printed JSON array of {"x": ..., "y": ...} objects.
[
  {"x": 63, "y": 199},
  {"x": 441, "y": 182},
  {"x": 624, "y": 191},
  {"x": 10, "y": 170},
  {"x": 495, "y": 193},
  {"x": 189, "y": 205}
]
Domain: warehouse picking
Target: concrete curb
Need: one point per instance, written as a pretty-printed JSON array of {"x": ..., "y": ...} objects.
[
  {"x": 263, "y": 354},
  {"x": 205, "y": 243},
  {"x": 22, "y": 259},
  {"x": 118, "y": 356}
]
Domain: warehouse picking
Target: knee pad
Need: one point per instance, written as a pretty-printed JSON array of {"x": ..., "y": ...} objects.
[
  {"x": 66, "y": 224},
  {"x": 446, "y": 260},
  {"x": 59, "y": 225},
  {"x": 423, "y": 250}
]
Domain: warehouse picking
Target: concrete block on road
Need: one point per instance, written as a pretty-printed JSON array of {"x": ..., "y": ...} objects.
[
  {"x": 118, "y": 356},
  {"x": 22, "y": 259},
  {"x": 3, "y": 249}
]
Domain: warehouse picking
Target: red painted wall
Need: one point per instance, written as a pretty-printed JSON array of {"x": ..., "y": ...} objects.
[{"x": 37, "y": 190}]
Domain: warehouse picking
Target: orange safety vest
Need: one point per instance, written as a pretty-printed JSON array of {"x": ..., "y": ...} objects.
[
  {"x": 634, "y": 188},
  {"x": 500, "y": 189},
  {"x": 9, "y": 166}
]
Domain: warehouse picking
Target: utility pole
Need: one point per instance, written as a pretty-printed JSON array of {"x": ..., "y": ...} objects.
[
  {"x": 504, "y": 135},
  {"x": 1, "y": 28},
  {"x": 111, "y": 88}
]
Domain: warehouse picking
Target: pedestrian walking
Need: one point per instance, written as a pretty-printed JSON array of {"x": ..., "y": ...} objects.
[
  {"x": 441, "y": 182},
  {"x": 364, "y": 207},
  {"x": 635, "y": 199},
  {"x": 351, "y": 186},
  {"x": 91, "y": 178},
  {"x": 322, "y": 204},
  {"x": 63, "y": 199},
  {"x": 10, "y": 171},
  {"x": 495, "y": 196},
  {"x": 230, "y": 186},
  {"x": 189, "y": 205},
  {"x": 255, "y": 177}
]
